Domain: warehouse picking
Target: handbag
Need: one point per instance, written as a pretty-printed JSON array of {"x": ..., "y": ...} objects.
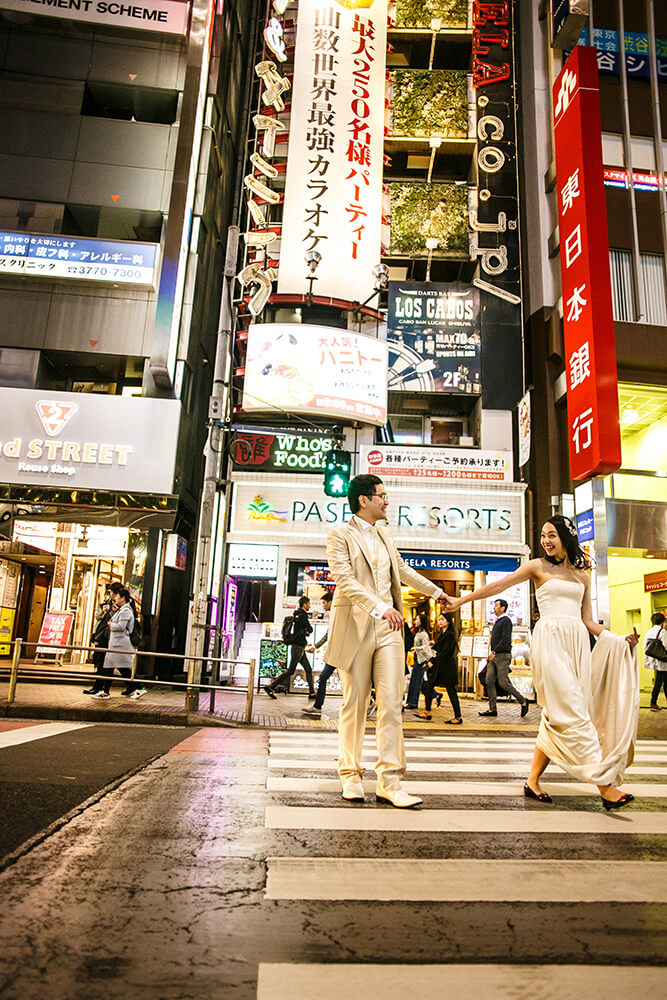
[
  {"x": 655, "y": 649},
  {"x": 410, "y": 658}
]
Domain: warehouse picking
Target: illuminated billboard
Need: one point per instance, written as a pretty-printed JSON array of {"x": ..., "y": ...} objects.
[{"x": 295, "y": 368}]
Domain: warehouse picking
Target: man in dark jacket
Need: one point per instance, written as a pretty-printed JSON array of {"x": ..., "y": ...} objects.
[
  {"x": 498, "y": 663},
  {"x": 301, "y": 629}
]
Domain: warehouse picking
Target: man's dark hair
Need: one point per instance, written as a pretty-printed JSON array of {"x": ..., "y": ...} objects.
[
  {"x": 328, "y": 596},
  {"x": 658, "y": 618},
  {"x": 115, "y": 587},
  {"x": 303, "y": 600},
  {"x": 503, "y": 603},
  {"x": 361, "y": 486}
]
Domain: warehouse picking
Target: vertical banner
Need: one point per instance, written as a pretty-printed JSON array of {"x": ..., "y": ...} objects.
[
  {"x": 333, "y": 188},
  {"x": 524, "y": 429},
  {"x": 590, "y": 348}
]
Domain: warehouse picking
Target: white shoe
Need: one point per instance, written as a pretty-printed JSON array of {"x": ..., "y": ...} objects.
[
  {"x": 397, "y": 797},
  {"x": 353, "y": 791},
  {"x": 139, "y": 693},
  {"x": 100, "y": 695}
]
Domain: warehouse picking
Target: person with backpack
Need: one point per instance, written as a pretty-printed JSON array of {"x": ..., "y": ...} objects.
[
  {"x": 121, "y": 650},
  {"x": 295, "y": 634},
  {"x": 100, "y": 636},
  {"x": 655, "y": 657}
]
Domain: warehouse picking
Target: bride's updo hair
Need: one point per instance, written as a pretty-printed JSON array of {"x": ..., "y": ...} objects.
[{"x": 568, "y": 536}]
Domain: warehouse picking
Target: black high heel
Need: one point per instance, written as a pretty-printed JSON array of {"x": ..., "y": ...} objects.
[
  {"x": 623, "y": 801},
  {"x": 539, "y": 797}
]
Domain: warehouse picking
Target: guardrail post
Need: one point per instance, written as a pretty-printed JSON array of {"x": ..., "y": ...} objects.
[
  {"x": 13, "y": 677},
  {"x": 251, "y": 691}
]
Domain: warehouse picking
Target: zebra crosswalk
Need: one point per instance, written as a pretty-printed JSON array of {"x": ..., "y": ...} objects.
[{"x": 580, "y": 890}]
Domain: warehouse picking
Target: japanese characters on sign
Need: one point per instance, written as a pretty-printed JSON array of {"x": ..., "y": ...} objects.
[
  {"x": 335, "y": 149},
  {"x": 637, "y": 57},
  {"x": 434, "y": 337},
  {"x": 55, "y": 630},
  {"x": 494, "y": 240},
  {"x": 455, "y": 464},
  {"x": 54, "y": 256},
  {"x": 315, "y": 369},
  {"x": 590, "y": 349}
]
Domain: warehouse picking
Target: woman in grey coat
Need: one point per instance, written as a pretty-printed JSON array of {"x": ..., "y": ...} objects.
[{"x": 121, "y": 651}]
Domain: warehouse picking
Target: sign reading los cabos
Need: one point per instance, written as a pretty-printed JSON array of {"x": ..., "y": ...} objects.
[{"x": 87, "y": 441}]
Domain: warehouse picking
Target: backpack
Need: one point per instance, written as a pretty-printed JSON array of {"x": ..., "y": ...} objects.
[
  {"x": 136, "y": 635},
  {"x": 288, "y": 630},
  {"x": 655, "y": 649}
]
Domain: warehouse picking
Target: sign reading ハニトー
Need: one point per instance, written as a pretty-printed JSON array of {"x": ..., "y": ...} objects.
[
  {"x": 433, "y": 335},
  {"x": 322, "y": 370},
  {"x": 25, "y": 255},
  {"x": 333, "y": 187},
  {"x": 590, "y": 347}
]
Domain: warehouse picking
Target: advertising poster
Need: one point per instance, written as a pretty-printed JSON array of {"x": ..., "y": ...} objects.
[
  {"x": 319, "y": 370},
  {"x": 434, "y": 337},
  {"x": 280, "y": 451},
  {"x": 455, "y": 464},
  {"x": 55, "y": 631}
]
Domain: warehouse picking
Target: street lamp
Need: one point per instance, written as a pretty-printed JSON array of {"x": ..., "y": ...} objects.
[
  {"x": 380, "y": 283},
  {"x": 313, "y": 260}
]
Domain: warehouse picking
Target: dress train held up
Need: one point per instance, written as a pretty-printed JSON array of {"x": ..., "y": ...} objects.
[{"x": 590, "y": 702}]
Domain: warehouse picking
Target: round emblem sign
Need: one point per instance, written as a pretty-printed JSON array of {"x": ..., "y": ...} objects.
[{"x": 375, "y": 457}]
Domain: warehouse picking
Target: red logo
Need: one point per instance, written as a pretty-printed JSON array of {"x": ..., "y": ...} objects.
[
  {"x": 375, "y": 457},
  {"x": 54, "y": 415}
]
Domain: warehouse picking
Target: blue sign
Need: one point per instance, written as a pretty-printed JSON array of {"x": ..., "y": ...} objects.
[
  {"x": 585, "y": 529},
  {"x": 637, "y": 63},
  {"x": 485, "y": 564},
  {"x": 56, "y": 256}
]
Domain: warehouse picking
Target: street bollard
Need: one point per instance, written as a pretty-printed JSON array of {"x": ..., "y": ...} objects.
[
  {"x": 13, "y": 677},
  {"x": 251, "y": 691}
]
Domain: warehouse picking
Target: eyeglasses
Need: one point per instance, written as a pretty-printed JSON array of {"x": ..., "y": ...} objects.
[{"x": 379, "y": 496}]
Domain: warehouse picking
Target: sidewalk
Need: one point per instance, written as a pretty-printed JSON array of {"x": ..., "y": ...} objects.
[{"x": 158, "y": 706}]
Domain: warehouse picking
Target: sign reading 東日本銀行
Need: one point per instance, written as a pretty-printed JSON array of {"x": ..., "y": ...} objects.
[
  {"x": 590, "y": 347},
  {"x": 333, "y": 187}
]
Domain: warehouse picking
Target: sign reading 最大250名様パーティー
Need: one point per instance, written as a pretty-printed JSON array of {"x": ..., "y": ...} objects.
[
  {"x": 77, "y": 440},
  {"x": 433, "y": 336},
  {"x": 294, "y": 368},
  {"x": 26, "y": 255},
  {"x": 170, "y": 17},
  {"x": 588, "y": 323},
  {"x": 333, "y": 187}
]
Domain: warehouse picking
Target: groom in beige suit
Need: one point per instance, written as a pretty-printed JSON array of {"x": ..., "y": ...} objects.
[{"x": 366, "y": 639}]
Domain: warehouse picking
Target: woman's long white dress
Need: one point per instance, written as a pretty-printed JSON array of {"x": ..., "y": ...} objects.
[{"x": 590, "y": 703}]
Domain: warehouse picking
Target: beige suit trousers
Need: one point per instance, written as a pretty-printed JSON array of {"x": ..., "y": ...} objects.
[{"x": 381, "y": 660}]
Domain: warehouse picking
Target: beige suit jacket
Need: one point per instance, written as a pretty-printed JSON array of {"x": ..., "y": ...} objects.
[{"x": 355, "y": 596}]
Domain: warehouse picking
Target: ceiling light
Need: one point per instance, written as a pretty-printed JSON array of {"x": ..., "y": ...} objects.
[{"x": 629, "y": 415}]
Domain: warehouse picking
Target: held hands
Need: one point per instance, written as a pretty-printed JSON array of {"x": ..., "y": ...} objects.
[
  {"x": 394, "y": 619},
  {"x": 632, "y": 639},
  {"x": 451, "y": 604}
]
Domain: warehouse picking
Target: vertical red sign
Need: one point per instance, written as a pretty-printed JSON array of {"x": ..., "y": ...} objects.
[{"x": 590, "y": 347}]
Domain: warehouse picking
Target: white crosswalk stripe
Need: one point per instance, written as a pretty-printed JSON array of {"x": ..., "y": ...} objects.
[{"x": 305, "y": 800}]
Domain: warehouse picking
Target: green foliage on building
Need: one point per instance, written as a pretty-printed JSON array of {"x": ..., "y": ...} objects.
[
  {"x": 420, "y": 13},
  {"x": 429, "y": 211},
  {"x": 430, "y": 102}
]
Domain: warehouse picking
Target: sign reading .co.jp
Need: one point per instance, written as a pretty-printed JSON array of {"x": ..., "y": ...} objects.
[{"x": 86, "y": 441}]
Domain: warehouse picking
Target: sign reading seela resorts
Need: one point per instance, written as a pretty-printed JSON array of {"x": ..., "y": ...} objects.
[{"x": 84, "y": 441}]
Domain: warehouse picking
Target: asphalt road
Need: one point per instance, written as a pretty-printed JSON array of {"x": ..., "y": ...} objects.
[{"x": 43, "y": 779}]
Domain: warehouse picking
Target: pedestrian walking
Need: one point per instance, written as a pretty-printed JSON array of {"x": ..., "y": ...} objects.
[
  {"x": 423, "y": 655},
  {"x": 653, "y": 640},
  {"x": 499, "y": 659},
  {"x": 590, "y": 704},
  {"x": 301, "y": 629},
  {"x": 100, "y": 636},
  {"x": 445, "y": 673},
  {"x": 121, "y": 651},
  {"x": 316, "y": 707}
]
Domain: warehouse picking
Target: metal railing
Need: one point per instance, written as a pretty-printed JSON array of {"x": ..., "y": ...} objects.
[{"x": 21, "y": 644}]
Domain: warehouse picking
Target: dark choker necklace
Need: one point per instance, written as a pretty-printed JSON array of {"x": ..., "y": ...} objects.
[{"x": 554, "y": 561}]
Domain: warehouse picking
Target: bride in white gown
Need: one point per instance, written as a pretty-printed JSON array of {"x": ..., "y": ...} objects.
[{"x": 590, "y": 704}]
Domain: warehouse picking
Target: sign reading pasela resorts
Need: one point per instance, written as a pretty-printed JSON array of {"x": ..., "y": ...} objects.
[
  {"x": 167, "y": 16},
  {"x": 86, "y": 441}
]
